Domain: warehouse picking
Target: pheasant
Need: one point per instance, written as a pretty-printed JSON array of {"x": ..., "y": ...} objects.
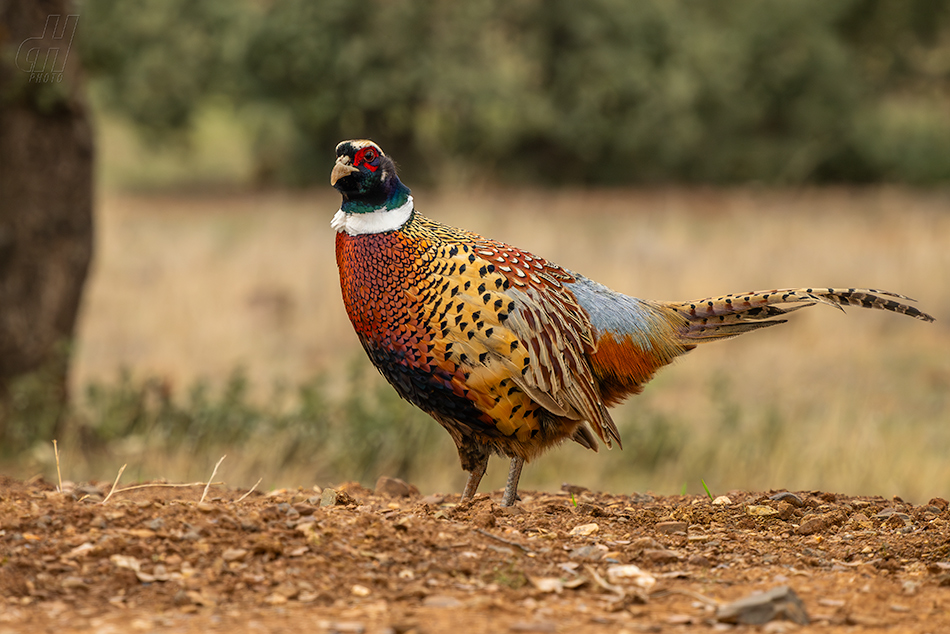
[{"x": 508, "y": 351}]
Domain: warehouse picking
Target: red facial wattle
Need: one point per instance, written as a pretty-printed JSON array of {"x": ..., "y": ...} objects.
[{"x": 364, "y": 157}]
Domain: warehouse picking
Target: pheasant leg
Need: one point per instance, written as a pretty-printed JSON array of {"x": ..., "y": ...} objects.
[
  {"x": 511, "y": 487},
  {"x": 475, "y": 477}
]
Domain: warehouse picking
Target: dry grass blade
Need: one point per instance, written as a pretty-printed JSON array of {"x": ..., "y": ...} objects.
[
  {"x": 152, "y": 485},
  {"x": 251, "y": 490},
  {"x": 211, "y": 479},
  {"x": 59, "y": 474},
  {"x": 114, "y": 484}
]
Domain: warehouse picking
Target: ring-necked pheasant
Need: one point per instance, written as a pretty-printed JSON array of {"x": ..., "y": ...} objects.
[{"x": 509, "y": 352}]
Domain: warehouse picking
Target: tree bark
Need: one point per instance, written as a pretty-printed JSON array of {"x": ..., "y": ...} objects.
[{"x": 46, "y": 195}]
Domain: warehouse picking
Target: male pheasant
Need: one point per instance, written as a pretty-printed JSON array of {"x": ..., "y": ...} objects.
[{"x": 509, "y": 352}]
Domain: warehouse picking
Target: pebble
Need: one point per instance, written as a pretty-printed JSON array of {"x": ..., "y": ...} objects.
[
  {"x": 660, "y": 556},
  {"x": 441, "y": 601},
  {"x": 812, "y": 525},
  {"x": 543, "y": 626},
  {"x": 722, "y": 500},
  {"x": 74, "y": 583},
  {"x": 332, "y": 497},
  {"x": 788, "y": 496},
  {"x": 584, "y": 529},
  {"x": 590, "y": 553},
  {"x": 762, "y": 607},
  {"x": 760, "y": 510},
  {"x": 359, "y": 590},
  {"x": 394, "y": 487},
  {"x": 287, "y": 590},
  {"x": 234, "y": 554},
  {"x": 341, "y": 627},
  {"x": 671, "y": 527},
  {"x": 631, "y": 573}
]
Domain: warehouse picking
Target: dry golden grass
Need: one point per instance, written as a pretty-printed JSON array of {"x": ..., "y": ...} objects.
[{"x": 191, "y": 286}]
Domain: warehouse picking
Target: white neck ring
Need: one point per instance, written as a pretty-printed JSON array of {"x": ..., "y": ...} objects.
[{"x": 378, "y": 221}]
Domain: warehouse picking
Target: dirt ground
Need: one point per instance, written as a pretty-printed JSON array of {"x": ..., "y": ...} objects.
[{"x": 352, "y": 560}]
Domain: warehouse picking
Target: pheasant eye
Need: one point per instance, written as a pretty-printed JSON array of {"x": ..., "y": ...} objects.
[{"x": 369, "y": 155}]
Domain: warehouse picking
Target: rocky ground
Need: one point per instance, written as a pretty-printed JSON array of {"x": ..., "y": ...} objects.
[{"x": 352, "y": 560}]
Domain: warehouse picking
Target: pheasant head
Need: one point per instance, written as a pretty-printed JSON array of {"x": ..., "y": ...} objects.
[{"x": 367, "y": 178}]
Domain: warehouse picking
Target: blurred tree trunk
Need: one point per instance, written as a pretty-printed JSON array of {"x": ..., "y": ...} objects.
[{"x": 46, "y": 166}]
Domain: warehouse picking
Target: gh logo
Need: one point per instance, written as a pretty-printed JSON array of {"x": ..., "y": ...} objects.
[{"x": 44, "y": 56}]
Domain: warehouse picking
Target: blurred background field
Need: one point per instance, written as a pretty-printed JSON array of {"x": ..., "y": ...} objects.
[{"x": 668, "y": 150}]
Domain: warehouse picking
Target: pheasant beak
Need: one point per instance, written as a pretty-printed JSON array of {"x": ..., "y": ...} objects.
[{"x": 341, "y": 169}]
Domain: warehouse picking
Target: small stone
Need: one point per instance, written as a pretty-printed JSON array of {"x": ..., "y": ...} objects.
[
  {"x": 335, "y": 497},
  {"x": 156, "y": 524},
  {"x": 760, "y": 608},
  {"x": 543, "y": 626},
  {"x": 671, "y": 527},
  {"x": 831, "y": 603},
  {"x": 74, "y": 583},
  {"x": 786, "y": 511},
  {"x": 394, "y": 488},
  {"x": 660, "y": 556},
  {"x": 861, "y": 520},
  {"x": 433, "y": 500},
  {"x": 812, "y": 525},
  {"x": 441, "y": 601},
  {"x": 643, "y": 543},
  {"x": 699, "y": 560},
  {"x": 787, "y": 496},
  {"x": 584, "y": 530},
  {"x": 275, "y": 599},
  {"x": 287, "y": 590},
  {"x": 206, "y": 507},
  {"x": 342, "y": 627},
  {"x": 760, "y": 511},
  {"x": 234, "y": 554},
  {"x": 359, "y": 590},
  {"x": 547, "y": 584},
  {"x": 631, "y": 574},
  {"x": 722, "y": 500},
  {"x": 939, "y": 503},
  {"x": 586, "y": 508},
  {"x": 589, "y": 553},
  {"x": 575, "y": 489},
  {"x": 679, "y": 619},
  {"x": 886, "y": 513}
]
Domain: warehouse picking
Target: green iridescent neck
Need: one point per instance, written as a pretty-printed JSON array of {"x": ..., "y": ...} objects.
[{"x": 391, "y": 197}]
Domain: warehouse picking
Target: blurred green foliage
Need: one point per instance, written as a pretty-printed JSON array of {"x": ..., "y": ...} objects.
[
  {"x": 604, "y": 91},
  {"x": 363, "y": 433}
]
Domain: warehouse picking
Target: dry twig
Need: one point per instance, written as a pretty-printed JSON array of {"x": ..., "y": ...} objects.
[
  {"x": 59, "y": 474},
  {"x": 250, "y": 491},
  {"x": 114, "y": 484},
  {"x": 149, "y": 485},
  {"x": 213, "y": 472}
]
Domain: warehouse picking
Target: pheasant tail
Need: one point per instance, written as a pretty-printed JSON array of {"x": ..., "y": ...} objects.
[{"x": 730, "y": 315}]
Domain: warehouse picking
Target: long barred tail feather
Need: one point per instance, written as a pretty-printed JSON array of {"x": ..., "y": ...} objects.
[{"x": 734, "y": 314}]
